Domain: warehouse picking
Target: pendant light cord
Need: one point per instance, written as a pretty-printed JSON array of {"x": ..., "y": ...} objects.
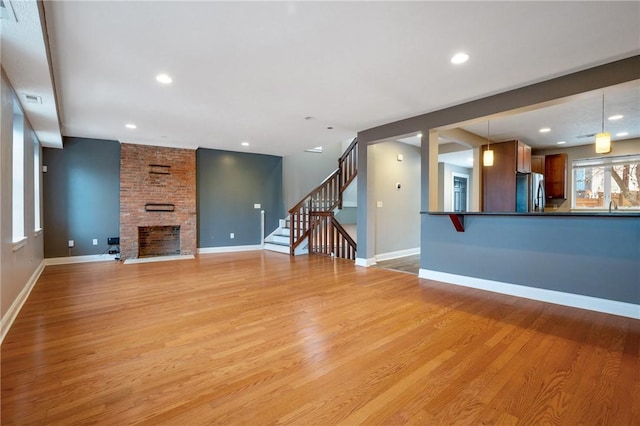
[{"x": 603, "y": 111}]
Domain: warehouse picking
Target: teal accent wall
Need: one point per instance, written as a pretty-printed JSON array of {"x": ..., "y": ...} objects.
[
  {"x": 228, "y": 185},
  {"x": 81, "y": 196}
]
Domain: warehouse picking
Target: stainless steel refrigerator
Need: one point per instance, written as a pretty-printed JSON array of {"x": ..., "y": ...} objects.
[{"x": 530, "y": 196}]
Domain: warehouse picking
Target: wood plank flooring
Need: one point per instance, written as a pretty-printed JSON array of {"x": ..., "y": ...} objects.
[
  {"x": 409, "y": 264},
  {"x": 261, "y": 338}
]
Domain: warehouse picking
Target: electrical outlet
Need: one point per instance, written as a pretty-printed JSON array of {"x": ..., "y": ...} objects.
[
  {"x": 232, "y": 235},
  {"x": 95, "y": 241},
  {"x": 71, "y": 243}
]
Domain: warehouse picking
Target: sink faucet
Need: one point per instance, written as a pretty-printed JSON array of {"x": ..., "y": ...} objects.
[{"x": 614, "y": 204}]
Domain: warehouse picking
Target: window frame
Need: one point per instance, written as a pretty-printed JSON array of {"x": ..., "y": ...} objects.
[{"x": 607, "y": 163}]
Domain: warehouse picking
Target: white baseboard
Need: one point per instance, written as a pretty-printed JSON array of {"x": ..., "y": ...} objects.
[
  {"x": 361, "y": 261},
  {"x": 550, "y": 296},
  {"x": 16, "y": 306},
  {"x": 397, "y": 254},
  {"x": 79, "y": 259},
  {"x": 229, "y": 249}
]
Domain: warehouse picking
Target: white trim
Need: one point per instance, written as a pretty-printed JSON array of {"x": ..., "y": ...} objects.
[
  {"x": 550, "y": 296},
  {"x": 16, "y": 306},
  {"x": 349, "y": 204},
  {"x": 229, "y": 249},
  {"x": 79, "y": 259},
  {"x": 397, "y": 254},
  {"x": 361, "y": 261},
  {"x": 159, "y": 259},
  {"x": 17, "y": 245}
]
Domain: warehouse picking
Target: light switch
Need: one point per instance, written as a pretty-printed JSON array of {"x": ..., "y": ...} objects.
[
  {"x": 256, "y": 206},
  {"x": 379, "y": 203},
  {"x": 95, "y": 241}
]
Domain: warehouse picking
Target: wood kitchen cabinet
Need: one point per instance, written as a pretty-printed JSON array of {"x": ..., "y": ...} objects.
[
  {"x": 537, "y": 164},
  {"x": 499, "y": 180},
  {"x": 524, "y": 158},
  {"x": 555, "y": 176}
]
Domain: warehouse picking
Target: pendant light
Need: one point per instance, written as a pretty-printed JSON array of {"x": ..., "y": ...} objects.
[
  {"x": 487, "y": 157},
  {"x": 603, "y": 139}
]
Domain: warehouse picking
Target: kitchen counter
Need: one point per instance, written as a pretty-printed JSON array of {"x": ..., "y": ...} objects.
[
  {"x": 457, "y": 218},
  {"x": 616, "y": 213}
]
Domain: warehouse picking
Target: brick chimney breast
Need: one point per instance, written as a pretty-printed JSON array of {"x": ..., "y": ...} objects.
[{"x": 157, "y": 189}]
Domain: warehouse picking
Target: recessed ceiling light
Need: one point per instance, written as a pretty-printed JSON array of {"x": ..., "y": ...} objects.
[
  {"x": 245, "y": 144},
  {"x": 130, "y": 126},
  {"x": 164, "y": 79},
  {"x": 544, "y": 130},
  {"x": 622, "y": 134},
  {"x": 561, "y": 142},
  {"x": 459, "y": 58},
  {"x": 616, "y": 117}
]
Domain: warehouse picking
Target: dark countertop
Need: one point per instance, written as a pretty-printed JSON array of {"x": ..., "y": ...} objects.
[{"x": 618, "y": 213}]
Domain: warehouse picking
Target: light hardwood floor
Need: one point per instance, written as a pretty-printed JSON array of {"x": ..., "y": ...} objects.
[{"x": 260, "y": 338}]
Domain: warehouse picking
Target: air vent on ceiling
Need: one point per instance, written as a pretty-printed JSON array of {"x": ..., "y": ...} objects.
[
  {"x": 32, "y": 99},
  {"x": 590, "y": 135},
  {"x": 6, "y": 11}
]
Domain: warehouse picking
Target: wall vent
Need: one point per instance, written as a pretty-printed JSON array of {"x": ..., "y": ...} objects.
[{"x": 32, "y": 99}]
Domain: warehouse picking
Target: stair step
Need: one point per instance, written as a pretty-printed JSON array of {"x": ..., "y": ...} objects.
[{"x": 280, "y": 248}]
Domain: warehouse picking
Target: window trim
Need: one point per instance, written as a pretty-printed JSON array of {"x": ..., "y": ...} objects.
[{"x": 607, "y": 163}]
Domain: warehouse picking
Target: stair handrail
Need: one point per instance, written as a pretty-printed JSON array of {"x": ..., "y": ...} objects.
[{"x": 325, "y": 197}]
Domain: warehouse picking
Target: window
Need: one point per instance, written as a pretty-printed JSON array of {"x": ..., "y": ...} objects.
[
  {"x": 18, "y": 174},
  {"x": 599, "y": 181},
  {"x": 36, "y": 186}
]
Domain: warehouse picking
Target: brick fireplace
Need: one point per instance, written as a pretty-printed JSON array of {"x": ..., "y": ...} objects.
[{"x": 157, "y": 198}]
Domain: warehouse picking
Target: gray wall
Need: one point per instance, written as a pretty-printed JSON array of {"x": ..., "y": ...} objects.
[
  {"x": 591, "y": 256},
  {"x": 16, "y": 267},
  {"x": 228, "y": 185},
  {"x": 304, "y": 171},
  {"x": 81, "y": 196},
  {"x": 398, "y": 219}
]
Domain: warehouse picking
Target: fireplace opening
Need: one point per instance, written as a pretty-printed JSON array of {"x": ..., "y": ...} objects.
[{"x": 158, "y": 241}]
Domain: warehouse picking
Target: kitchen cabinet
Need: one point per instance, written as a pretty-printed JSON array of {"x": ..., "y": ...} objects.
[
  {"x": 499, "y": 180},
  {"x": 555, "y": 176},
  {"x": 537, "y": 164},
  {"x": 524, "y": 158}
]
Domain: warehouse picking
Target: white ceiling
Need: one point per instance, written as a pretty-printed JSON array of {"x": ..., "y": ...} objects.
[
  {"x": 252, "y": 71},
  {"x": 24, "y": 59}
]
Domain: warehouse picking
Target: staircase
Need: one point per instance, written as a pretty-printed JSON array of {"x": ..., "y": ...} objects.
[{"x": 311, "y": 226}]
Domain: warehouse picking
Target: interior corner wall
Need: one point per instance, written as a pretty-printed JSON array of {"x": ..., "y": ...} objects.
[
  {"x": 18, "y": 268},
  {"x": 304, "y": 171},
  {"x": 397, "y": 221},
  {"x": 81, "y": 196},
  {"x": 228, "y": 185}
]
